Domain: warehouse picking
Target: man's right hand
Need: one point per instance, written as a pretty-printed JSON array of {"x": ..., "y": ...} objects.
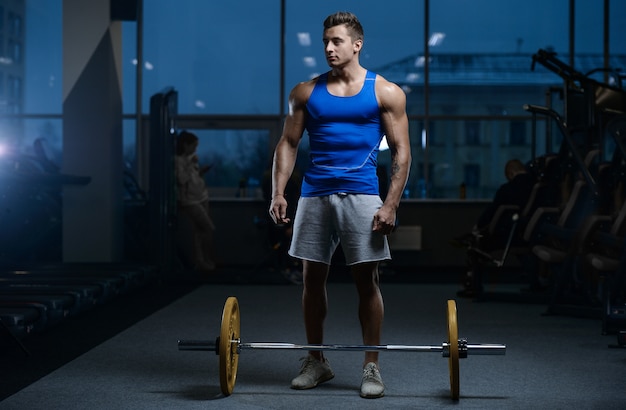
[{"x": 278, "y": 210}]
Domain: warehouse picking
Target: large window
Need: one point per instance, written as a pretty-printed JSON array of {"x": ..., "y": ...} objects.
[
  {"x": 32, "y": 72},
  {"x": 43, "y": 53},
  {"x": 478, "y": 63},
  {"x": 246, "y": 161},
  {"x": 225, "y": 60},
  {"x": 222, "y": 57}
]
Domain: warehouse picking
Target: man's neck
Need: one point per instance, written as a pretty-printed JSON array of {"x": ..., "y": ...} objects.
[{"x": 348, "y": 74}]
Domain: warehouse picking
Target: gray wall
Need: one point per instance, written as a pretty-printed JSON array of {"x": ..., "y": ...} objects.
[{"x": 92, "y": 132}]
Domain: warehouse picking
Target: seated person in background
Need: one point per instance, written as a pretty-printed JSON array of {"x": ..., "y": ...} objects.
[
  {"x": 516, "y": 191},
  {"x": 193, "y": 199}
]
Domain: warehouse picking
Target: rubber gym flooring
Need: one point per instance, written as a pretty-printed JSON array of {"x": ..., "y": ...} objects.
[{"x": 125, "y": 355}]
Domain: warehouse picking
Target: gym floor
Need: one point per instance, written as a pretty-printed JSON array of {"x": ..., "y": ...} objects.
[{"x": 125, "y": 355}]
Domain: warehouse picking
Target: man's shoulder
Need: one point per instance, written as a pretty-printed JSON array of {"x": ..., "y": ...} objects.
[
  {"x": 302, "y": 91},
  {"x": 380, "y": 80},
  {"x": 386, "y": 87}
]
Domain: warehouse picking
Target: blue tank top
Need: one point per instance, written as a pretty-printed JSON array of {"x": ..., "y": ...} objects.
[{"x": 344, "y": 136}]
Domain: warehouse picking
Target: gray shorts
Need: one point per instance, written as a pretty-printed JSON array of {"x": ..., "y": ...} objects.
[{"x": 322, "y": 222}]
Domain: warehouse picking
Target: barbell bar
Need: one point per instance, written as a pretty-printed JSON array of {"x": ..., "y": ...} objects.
[
  {"x": 228, "y": 346},
  {"x": 444, "y": 349}
]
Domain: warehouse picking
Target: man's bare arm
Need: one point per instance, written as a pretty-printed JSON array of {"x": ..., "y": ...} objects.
[
  {"x": 287, "y": 150},
  {"x": 396, "y": 125}
]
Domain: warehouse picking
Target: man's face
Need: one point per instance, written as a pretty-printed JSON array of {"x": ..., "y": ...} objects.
[{"x": 338, "y": 46}]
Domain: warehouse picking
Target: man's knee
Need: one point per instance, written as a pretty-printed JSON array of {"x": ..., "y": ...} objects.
[
  {"x": 314, "y": 273},
  {"x": 365, "y": 274}
]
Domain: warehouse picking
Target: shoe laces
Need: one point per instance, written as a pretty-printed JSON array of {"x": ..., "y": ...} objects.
[
  {"x": 307, "y": 363},
  {"x": 371, "y": 372}
]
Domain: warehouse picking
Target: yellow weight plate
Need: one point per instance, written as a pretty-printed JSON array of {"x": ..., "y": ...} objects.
[
  {"x": 229, "y": 356},
  {"x": 453, "y": 342}
]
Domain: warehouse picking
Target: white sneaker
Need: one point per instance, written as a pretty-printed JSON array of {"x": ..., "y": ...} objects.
[
  {"x": 372, "y": 386},
  {"x": 312, "y": 373}
]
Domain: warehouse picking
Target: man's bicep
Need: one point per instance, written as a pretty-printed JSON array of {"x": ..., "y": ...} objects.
[
  {"x": 295, "y": 120},
  {"x": 292, "y": 132},
  {"x": 393, "y": 104},
  {"x": 396, "y": 127}
]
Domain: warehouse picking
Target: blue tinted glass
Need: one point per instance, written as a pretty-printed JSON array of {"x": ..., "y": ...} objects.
[
  {"x": 222, "y": 57},
  {"x": 43, "y": 66}
]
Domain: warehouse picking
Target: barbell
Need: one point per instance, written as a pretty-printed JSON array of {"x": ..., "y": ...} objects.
[{"x": 228, "y": 346}]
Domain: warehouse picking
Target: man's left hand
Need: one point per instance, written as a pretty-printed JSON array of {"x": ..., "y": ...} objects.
[{"x": 384, "y": 221}]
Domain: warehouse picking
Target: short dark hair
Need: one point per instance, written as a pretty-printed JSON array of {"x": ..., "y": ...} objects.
[
  {"x": 184, "y": 138},
  {"x": 513, "y": 167},
  {"x": 353, "y": 24}
]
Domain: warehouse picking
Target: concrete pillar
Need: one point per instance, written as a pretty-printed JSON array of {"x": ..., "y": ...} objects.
[{"x": 92, "y": 132}]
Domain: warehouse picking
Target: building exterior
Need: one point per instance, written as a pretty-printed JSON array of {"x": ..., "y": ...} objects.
[
  {"x": 12, "y": 70},
  {"x": 477, "y": 119}
]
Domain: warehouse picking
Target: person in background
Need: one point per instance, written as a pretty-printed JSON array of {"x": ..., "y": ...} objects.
[
  {"x": 346, "y": 112},
  {"x": 516, "y": 191},
  {"x": 193, "y": 199}
]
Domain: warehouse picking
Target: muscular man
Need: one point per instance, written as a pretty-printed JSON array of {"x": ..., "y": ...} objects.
[{"x": 346, "y": 112}]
